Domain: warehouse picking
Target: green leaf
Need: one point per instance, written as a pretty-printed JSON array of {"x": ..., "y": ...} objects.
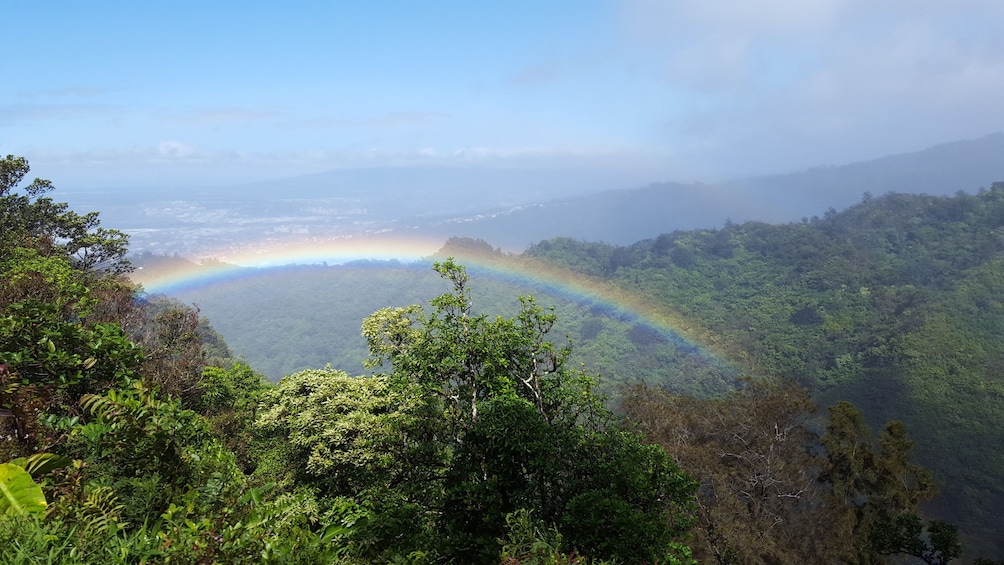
[
  {"x": 41, "y": 463},
  {"x": 19, "y": 494}
]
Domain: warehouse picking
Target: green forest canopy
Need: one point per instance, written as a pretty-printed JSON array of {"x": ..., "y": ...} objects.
[
  {"x": 475, "y": 440},
  {"x": 893, "y": 304}
]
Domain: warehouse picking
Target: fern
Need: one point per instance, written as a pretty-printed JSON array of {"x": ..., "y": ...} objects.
[{"x": 100, "y": 510}]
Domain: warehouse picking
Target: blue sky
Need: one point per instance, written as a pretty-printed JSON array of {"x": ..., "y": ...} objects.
[{"x": 133, "y": 94}]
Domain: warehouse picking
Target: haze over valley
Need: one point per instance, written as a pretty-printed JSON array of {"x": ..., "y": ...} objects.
[{"x": 511, "y": 209}]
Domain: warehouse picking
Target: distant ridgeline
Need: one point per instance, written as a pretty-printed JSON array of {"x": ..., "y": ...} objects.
[
  {"x": 625, "y": 216},
  {"x": 895, "y": 304}
]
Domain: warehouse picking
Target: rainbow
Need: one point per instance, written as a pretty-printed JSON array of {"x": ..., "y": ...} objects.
[
  {"x": 173, "y": 277},
  {"x": 177, "y": 277},
  {"x": 607, "y": 297}
]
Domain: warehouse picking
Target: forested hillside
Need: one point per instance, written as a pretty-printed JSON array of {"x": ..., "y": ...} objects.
[
  {"x": 313, "y": 313},
  {"x": 893, "y": 304},
  {"x": 129, "y": 434},
  {"x": 896, "y": 304}
]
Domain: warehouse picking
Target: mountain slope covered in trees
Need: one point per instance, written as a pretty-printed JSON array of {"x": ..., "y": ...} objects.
[
  {"x": 124, "y": 440},
  {"x": 893, "y": 304},
  {"x": 130, "y": 435}
]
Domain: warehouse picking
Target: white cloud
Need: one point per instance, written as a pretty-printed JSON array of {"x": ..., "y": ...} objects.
[
  {"x": 174, "y": 150},
  {"x": 786, "y": 84}
]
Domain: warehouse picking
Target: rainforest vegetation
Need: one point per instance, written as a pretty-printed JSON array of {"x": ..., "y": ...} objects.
[
  {"x": 894, "y": 304},
  {"x": 129, "y": 433}
]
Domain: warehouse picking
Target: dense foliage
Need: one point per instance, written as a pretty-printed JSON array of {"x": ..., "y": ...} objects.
[
  {"x": 515, "y": 429},
  {"x": 774, "y": 491},
  {"x": 894, "y": 304},
  {"x": 128, "y": 434}
]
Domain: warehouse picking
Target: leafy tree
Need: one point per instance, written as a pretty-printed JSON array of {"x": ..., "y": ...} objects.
[
  {"x": 528, "y": 541},
  {"x": 906, "y": 534},
  {"x": 230, "y": 401},
  {"x": 511, "y": 427},
  {"x": 31, "y": 219},
  {"x": 171, "y": 335},
  {"x": 151, "y": 452},
  {"x": 336, "y": 433},
  {"x": 55, "y": 344},
  {"x": 881, "y": 488},
  {"x": 50, "y": 353},
  {"x": 345, "y": 440}
]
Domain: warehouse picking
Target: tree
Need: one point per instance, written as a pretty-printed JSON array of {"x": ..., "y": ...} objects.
[
  {"x": 759, "y": 501},
  {"x": 56, "y": 340},
  {"x": 31, "y": 219},
  {"x": 504, "y": 425},
  {"x": 152, "y": 452},
  {"x": 345, "y": 442},
  {"x": 881, "y": 489},
  {"x": 230, "y": 401},
  {"x": 906, "y": 534},
  {"x": 337, "y": 433},
  {"x": 50, "y": 353},
  {"x": 171, "y": 335}
]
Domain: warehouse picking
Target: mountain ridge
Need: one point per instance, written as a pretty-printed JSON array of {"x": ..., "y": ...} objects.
[{"x": 624, "y": 216}]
